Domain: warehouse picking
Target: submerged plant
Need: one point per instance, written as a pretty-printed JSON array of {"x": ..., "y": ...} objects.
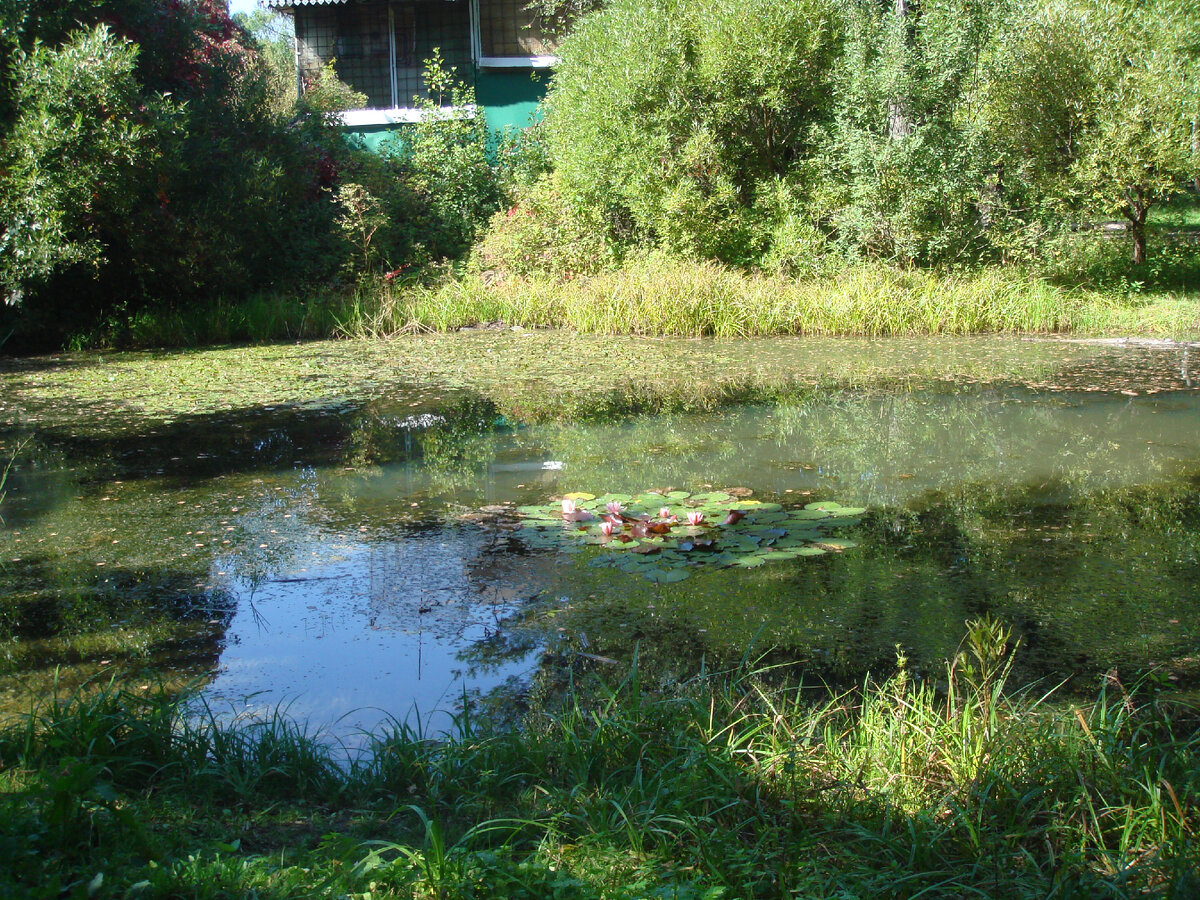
[{"x": 641, "y": 535}]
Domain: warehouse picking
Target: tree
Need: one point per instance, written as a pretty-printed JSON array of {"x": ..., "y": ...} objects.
[
  {"x": 1139, "y": 146},
  {"x": 904, "y": 160},
  {"x": 67, "y": 157},
  {"x": 678, "y": 122},
  {"x": 1093, "y": 102},
  {"x": 145, "y": 153}
]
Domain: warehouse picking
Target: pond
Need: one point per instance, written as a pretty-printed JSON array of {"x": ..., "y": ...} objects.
[{"x": 336, "y": 528}]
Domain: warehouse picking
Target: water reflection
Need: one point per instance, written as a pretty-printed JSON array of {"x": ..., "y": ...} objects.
[
  {"x": 355, "y": 558},
  {"x": 355, "y": 633}
]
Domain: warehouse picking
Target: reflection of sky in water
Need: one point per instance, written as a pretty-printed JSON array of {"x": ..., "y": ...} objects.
[{"x": 353, "y": 633}]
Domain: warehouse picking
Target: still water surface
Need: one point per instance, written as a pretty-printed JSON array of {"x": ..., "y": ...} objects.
[{"x": 357, "y": 561}]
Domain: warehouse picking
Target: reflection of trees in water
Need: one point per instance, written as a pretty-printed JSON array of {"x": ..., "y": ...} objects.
[
  {"x": 1091, "y": 579},
  {"x": 1017, "y": 504}
]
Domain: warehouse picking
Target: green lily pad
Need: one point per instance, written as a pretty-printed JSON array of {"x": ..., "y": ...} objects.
[
  {"x": 664, "y": 576},
  {"x": 712, "y": 497},
  {"x": 750, "y": 562},
  {"x": 787, "y": 553},
  {"x": 765, "y": 532}
]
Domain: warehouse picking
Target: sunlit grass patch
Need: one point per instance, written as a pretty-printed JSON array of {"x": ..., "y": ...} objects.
[{"x": 658, "y": 295}]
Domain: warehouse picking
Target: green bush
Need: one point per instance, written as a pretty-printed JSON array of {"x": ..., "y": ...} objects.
[
  {"x": 445, "y": 162},
  {"x": 67, "y": 156},
  {"x": 542, "y": 233},
  {"x": 670, "y": 119},
  {"x": 905, "y": 163},
  {"x": 155, "y": 162}
]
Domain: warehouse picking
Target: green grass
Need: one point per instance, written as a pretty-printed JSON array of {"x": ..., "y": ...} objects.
[
  {"x": 731, "y": 785},
  {"x": 656, "y": 295}
]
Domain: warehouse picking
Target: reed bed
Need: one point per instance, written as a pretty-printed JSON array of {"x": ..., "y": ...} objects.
[{"x": 657, "y": 295}]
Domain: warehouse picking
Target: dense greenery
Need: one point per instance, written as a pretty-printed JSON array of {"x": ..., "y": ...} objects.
[
  {"x": 727, "y": 785},
  {"x": 150, "y": 150},
  {"x": 800, "y": 136},
  {"x": 151, "y": 157},
  {"x": 145, "y": 163}
]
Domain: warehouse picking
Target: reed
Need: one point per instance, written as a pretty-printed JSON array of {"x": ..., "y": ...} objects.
[{"x": 659, "y": 295}]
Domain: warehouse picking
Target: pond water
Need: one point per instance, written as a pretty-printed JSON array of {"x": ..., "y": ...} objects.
[{"x": 355, "y": 555}]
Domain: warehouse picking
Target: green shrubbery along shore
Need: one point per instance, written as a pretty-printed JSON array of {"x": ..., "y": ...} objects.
[
  {"x": 967, "y": 164},
  {"x": 729, "y": 785}
]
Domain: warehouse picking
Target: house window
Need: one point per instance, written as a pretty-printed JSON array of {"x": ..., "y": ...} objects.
[
  {"x": 379, "y": 49},
  {"x": 508, "y": 29}
]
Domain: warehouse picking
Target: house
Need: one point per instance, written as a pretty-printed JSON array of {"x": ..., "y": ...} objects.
[{"x": 379, "y": 48}]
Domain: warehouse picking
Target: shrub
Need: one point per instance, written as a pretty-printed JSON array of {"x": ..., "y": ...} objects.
[
  {"x": 67, "y": 157},
  {"x": 181, "y": 169},
  {"x": 445, "y": 162},
  {"x": 906, "y": 160},
  {"x": 542, "y": 233},
  {"x": 670, "y": 118}
]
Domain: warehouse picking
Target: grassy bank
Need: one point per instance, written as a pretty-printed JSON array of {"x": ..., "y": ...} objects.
[
  {"x": 657, "y": 295},
  {"x": 726, "y": 786},
  {"x": 661, "y": 296}
]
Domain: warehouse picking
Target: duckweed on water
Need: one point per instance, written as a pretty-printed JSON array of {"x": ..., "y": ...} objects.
[{"x": 530, "y": 376}]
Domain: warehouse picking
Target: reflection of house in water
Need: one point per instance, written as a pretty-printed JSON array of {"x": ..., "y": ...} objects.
[
  {"x": 444, "y": 582},
  {"x": 379, "y": 48}
]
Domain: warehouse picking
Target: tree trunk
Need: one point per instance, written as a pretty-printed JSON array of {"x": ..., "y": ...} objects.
[
  {"x": 1138, "y": 231},
  {"x": 1136, "y": 211},
  {"x": 1196, "y": 151},
  {"x": 899, "y": 124}
]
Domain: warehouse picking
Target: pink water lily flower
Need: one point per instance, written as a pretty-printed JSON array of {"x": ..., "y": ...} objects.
[
  {"x": 695, "y": 517},
  {"x": 607, "y": 528},
  {"x": 665, "y": 513},
  {"x": 614, "y": 507},
  {"x": 568, "y": 507}
]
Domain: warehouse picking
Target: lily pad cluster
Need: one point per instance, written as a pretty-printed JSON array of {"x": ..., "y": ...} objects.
[{"x": 661, "y": 535}]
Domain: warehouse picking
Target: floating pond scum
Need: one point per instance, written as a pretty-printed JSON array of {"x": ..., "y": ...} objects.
[{"x": 660, "y": 535}]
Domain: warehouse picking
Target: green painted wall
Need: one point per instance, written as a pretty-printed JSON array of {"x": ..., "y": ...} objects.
[{"x": 509, "y": 98}]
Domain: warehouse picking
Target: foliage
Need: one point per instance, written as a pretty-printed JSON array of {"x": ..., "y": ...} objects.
[
  {"x": 178, "y": 88},
  {"x": 735, "y": 783},
  {"x": 905, "y": 161},
  {"x": 446, "y": 163},
  {"x": 1094, "y": 109},
  {"x": 557, "y": 16},
  {"x": 800, "y": 137},
  {"x": 68, "y": 156},
  {"x": 669, "y": 119},
  {"x": 542, "y": 232}
]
